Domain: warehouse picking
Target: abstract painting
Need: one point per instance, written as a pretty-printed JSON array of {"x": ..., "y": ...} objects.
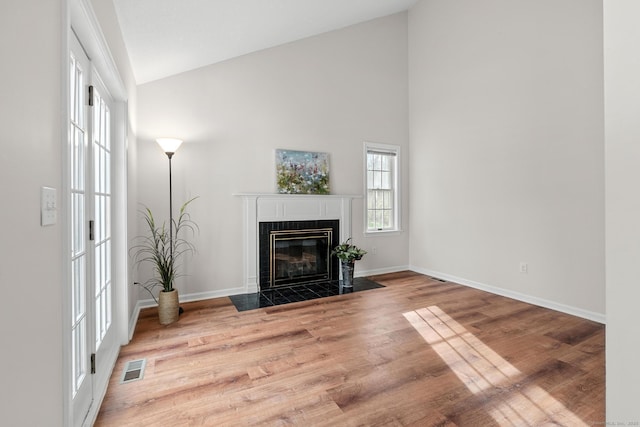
[{"x": 302, "y": 172}]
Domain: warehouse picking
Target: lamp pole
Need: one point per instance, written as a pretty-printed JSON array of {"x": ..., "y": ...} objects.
[
  {"x": 170, "y": 146},
  {"x": 170, "y": 155}
]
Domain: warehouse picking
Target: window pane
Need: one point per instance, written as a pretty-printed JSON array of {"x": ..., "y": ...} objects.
[
  {"x": 388, "y": 203},
  {"x": 108, "y": 261},
  {"x": 107, "y": 141},
  {"x": 72, "y": 89},
  {"x": 385, "y": 163},
  {"x": 379, "y": 199},
  {"x": 387, "y": 219},
  {"x": 107, "y": 170},
  {"x": 78, "y": 224},
  {"x": 386, "y": 180},
  {"x": 108, "y": 311},
  {"x": 97, "y": 271},
  {"x": 79, "y": 355},
  {"x": 78, "y": 282}
]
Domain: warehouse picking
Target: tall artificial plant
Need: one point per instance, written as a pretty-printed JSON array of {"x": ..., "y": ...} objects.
[{"x": 162, "y": 250}]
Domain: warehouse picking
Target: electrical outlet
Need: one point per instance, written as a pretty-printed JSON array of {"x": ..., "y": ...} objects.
[
  {"x": 524, "y": 267},
  {"x": 374, "y": 250}
]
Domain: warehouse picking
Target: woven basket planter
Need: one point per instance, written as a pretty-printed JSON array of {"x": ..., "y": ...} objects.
[{"x": 168, "y": 309}]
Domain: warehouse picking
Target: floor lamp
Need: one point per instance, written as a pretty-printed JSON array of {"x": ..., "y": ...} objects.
[{"x": 170, "y": 146}]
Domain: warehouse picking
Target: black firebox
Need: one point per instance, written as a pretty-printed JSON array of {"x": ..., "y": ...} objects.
[{"x": 297, "y": 252}]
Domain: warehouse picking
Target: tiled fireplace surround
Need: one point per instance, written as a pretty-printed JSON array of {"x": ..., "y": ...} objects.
[{"x": 259, "y": 208}]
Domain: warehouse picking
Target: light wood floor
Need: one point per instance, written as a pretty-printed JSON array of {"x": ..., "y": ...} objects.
[{"x": 418, "y": 352}]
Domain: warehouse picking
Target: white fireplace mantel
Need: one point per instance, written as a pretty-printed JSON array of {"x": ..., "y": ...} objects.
[{"x": 287, "y": 207}]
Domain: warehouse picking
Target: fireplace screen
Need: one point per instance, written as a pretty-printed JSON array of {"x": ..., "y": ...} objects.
[{"x": 298, "y": 256}]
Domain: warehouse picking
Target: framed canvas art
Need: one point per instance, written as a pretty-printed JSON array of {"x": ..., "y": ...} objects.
[{"x": 302, "y": 172}]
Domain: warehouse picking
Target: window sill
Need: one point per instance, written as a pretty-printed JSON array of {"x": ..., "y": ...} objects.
[{"x": 378, "y": 233}]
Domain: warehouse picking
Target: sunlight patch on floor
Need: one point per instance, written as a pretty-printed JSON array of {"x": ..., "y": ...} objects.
[{"x": 480, "y": 368}]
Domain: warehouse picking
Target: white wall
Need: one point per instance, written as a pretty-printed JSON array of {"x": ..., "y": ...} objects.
[
  {"x": 31, "y": 260},
  {"x": 328, "y": 93},
  {"x": 30, "y": 256},
  {"x": 622, "y": 136},
  {"x": 506, "y": 129}
]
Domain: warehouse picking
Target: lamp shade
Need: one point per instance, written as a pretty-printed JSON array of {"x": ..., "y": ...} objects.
[{"x": 169, "y": 145}]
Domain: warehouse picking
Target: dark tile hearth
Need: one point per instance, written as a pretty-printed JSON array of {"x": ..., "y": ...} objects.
[{"x": 289, "y": 294}]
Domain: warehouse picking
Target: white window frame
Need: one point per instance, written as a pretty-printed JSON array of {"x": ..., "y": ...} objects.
[{"x": 397, "y": 186}]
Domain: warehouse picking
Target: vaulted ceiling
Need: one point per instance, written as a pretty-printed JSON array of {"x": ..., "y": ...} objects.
[{"x": 166, "y": 37}]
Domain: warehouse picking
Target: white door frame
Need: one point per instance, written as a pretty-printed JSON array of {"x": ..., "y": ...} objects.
[{"x": 79, "y": 18}]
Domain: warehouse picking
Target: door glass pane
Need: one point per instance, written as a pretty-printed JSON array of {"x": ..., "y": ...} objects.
[{"x": 79, "y": 363}]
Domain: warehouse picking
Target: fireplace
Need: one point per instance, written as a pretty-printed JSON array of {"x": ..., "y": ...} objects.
[
  {"x": 259, "y": 209},
  {"x": 297, "y": 252}
]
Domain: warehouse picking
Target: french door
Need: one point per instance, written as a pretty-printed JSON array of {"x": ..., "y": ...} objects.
[{"x": 90, "y": 237}]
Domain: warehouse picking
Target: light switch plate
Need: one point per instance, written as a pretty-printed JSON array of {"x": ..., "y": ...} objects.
[{"x": 48, "y": 206}]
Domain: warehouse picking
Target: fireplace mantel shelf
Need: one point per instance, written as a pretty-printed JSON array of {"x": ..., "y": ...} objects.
[{"x": 267, "y": 195}]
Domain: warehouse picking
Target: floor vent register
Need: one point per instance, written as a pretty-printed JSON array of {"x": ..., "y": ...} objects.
[{"x": 133, "y": 370}]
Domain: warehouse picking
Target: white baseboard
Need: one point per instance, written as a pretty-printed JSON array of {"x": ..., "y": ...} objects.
[
  {"x": 133, "y": 320},
  {"x": 574, "y": 311},
  {"x": 377, "y": 271},
  {"x": 197, "y": 296}
]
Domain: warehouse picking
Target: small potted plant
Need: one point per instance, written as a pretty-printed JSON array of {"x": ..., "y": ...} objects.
[
  {"x": 348, "y": 254},
  {"x": 162, "y": 248}
]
